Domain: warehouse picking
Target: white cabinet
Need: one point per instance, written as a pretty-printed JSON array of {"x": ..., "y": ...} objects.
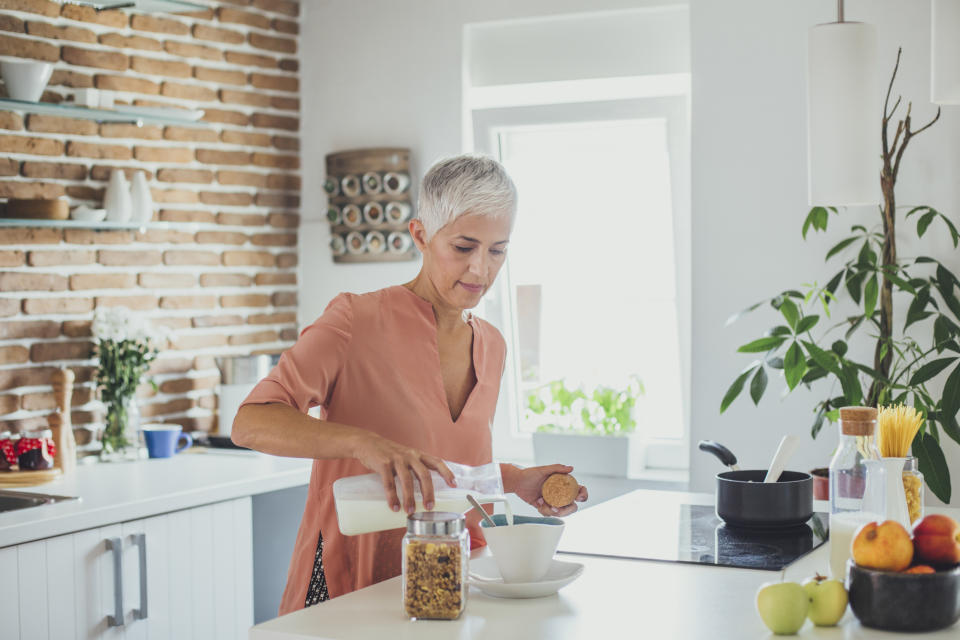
[{"x": 185, "y": 574}]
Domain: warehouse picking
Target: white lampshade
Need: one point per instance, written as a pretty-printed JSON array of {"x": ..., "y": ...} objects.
[
  {"x": 844, "y": 114},
  {"x": 945, "y": 51}
]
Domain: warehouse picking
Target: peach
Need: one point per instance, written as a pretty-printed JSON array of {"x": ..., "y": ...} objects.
[
  {"x": 885, "y": 546},
  {"x": 921, "y": 568},
  {"x": 937, "y": 540}
]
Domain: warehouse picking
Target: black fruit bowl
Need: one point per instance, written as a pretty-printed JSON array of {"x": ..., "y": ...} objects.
[{"x": 903, "y": 601}]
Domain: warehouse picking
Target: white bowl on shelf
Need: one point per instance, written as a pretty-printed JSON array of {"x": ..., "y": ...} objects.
[
  {"x": 86, "y": 214},
  {"x": 25, "y": 79}
]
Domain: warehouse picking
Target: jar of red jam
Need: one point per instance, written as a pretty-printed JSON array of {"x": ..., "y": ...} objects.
[
  {"x": 8, "y": 453},
  {"x": 35, "y": 450}
]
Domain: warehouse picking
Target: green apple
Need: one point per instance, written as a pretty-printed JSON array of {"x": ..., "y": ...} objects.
[
  {"x": 783, "y": 606},
  {"x": 828, "y": 600}
]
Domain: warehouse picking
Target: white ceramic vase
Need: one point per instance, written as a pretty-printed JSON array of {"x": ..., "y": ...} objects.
[
  {"x": 141, "y": 198},
  {"x": 117, "y": 200}
]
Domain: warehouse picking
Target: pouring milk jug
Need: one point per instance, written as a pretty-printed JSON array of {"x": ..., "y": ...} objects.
[{"x": 361, "y": 501}]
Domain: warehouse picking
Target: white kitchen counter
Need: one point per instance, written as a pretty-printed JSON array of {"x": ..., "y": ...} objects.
[
  {"x": 124, "y": 491},
  {"x": 613, "y": 598}
]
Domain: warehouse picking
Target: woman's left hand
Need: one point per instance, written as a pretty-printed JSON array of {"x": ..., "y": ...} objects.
[{"x": 528, "y": 484}]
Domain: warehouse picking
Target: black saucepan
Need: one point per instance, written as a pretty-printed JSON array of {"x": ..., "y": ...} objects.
[{"x": 745, "y": 500}]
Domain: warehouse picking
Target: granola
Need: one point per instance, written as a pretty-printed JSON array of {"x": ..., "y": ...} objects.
[{"x": 434, "y": 580}]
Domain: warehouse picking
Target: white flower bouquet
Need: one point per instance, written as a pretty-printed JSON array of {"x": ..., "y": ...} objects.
[{"x": 125, "y": 345}]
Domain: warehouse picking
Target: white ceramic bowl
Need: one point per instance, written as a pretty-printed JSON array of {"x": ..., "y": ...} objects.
[
  {"x": 523, "y": 552},
  {"x": 25, "y": 79},
  {"x": 86, "y": 214}
]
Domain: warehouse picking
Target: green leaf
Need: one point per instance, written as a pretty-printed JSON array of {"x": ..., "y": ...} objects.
[
  {"x": 951, "y": 395},
  {"x": 954, "y": 235},
  {"x": 735, "y": 389},
  {"x": 943, "y": 330},
  {"x": 817, "y": 423},
  {"x": 775, "y": 363},
  {"x": 823, "y": 358},
  {"x": 762, "y": 344},
  {"x": 794, "y": 365},
  {"x": 821, "y": 218},
  {"x": 854, "y": 326},
  {"x": 917, "y": 310},
  {"x": 758, "y": 385},
  {"x": 839, "y": 347},
  {"x": 870, "y": 296},
  {"x": 888, "y": 272},
  {"x": 852, "y": 390},
  {"x": 840, "y": 246},
  {"x": 780, "y": 330},
  {"x": 952, "y": 429},
  {"x": 867, "y": 257},
  {"x": 809, "y": 221},
  {"x": 807, "y": 323},
  {"x": 835, "y": 282},
  {"x": 924, "y": 222},
  {"x": 930, "y": 370},
  {"x": 790, "y": 312},
  {"x": 933, "y": 465},
  {"x": 915, "y": 210},
  {"x": 855, "y": 284}
]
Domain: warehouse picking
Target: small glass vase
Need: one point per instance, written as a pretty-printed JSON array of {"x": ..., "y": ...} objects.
[{"x": 121, "y": 433}]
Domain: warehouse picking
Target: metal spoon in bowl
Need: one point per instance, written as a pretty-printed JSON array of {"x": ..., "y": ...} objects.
[{"x": 476, "y": 505}]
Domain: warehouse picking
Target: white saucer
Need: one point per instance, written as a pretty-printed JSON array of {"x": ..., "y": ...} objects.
[{"x": 485, "y": 575}]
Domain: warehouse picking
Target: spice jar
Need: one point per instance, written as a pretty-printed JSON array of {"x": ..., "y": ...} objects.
[
  {"x": 35, "y": 450},
  {"x": 436, "y": 550},
  {"x": 913, "y": 488},
  {"x": 8, "y": 453}
]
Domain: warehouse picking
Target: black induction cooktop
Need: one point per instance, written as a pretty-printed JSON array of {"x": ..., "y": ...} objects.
[{"x": 673, "y": 532}]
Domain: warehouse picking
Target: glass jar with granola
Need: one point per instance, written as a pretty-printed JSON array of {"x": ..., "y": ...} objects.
[{"x": 436, "y": 552}]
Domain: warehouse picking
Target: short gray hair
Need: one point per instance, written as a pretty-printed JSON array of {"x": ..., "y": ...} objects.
[{"x": 468, "y": 183}]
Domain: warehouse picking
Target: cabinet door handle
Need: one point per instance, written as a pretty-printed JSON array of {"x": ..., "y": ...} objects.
[
  {"x": 116, "y": 546},
  {"x": 140, "y": 539}
]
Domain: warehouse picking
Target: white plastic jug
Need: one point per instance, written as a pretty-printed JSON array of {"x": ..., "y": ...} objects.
[{"x": 361, "y": 501}]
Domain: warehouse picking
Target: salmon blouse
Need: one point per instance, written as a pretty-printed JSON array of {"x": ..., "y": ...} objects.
[{"x": 372, "y": 361}]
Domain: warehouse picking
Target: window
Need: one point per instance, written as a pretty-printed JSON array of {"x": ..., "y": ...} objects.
[{"x": 589, "y": 293}]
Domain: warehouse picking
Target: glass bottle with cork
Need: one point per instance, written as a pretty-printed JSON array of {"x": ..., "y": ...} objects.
[{"x": 848, "y": 474}]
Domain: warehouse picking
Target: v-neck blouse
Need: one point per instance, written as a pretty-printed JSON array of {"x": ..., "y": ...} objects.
[{"x": 373, "y": 361}]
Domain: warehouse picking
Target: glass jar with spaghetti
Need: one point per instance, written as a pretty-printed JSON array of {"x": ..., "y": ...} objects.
[{"x": 913, "y": 488}]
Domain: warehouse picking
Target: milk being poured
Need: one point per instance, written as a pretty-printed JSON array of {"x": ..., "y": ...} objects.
[{"x": 362, "y": 507}]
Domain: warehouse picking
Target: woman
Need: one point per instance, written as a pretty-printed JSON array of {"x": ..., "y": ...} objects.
[{"x": 405, "y": 379}]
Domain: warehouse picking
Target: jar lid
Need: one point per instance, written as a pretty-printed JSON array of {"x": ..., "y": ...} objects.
[
  {"x": 40, "y": 433},
  {"x": 858, "y": 421},
  {"x": 435, "y": 523}
]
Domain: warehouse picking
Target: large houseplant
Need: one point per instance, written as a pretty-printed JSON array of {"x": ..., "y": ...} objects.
[
  {"x": 903, "y": 366},
  {"x": 581, "y": 428}
]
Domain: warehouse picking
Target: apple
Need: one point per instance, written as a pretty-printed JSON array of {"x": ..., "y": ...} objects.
[
  {"x": 783, "y": 606},
  {"x": 937, "y": 540},
  {"x": 885, "y": 546},
  {"x": 828, "y": 600},
  {"x": 921, "y": 568}
]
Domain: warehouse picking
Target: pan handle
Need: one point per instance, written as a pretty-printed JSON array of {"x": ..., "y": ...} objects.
[{"x": 723, "y": 454}]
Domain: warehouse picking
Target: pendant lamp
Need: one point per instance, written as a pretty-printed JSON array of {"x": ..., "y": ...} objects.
[
  {"x": 945, "y": 51},
  {"x": 844, "y": 113}
]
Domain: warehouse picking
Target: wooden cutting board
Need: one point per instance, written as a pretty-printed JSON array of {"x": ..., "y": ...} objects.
[
  {"x": 28, "y": 478},
  {"x": 37, "y": 209}
]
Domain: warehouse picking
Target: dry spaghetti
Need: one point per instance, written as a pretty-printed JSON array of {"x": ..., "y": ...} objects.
[{"x": 897, "y": 427}]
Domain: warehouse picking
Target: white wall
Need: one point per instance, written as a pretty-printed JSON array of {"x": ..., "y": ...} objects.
[
  {"x": 384, "y": 73},
  {"x": 749, "y": 198}
]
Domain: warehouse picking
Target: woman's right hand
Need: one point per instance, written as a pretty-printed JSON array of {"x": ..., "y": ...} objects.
[{"x": 391, "y": 460}]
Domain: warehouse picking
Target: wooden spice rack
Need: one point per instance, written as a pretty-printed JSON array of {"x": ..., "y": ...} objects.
[{"x": 357, "y": 162}]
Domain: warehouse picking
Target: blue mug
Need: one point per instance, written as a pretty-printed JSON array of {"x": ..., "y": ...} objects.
[{"x": 163, "y": 439}]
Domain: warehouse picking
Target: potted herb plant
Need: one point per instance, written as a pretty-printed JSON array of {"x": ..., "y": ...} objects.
[
  {"x": 594, "y": 432},
  {"x": 815, "y": 351}
]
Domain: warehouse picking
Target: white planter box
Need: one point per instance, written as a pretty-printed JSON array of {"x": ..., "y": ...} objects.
[{"x": 618, "y": 456}]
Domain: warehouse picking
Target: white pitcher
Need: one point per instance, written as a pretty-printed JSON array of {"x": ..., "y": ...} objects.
[
  {"x": 117, "y": 200},
  {"x": 141, "y": 197}
]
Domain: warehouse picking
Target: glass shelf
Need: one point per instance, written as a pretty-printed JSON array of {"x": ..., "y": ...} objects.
[
  {"x": 146, "y": 6},
  {"x": 118, "y": 114},
  {"x": 102, "y": 225}
]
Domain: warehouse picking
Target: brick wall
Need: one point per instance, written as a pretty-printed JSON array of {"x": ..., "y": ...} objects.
[{"x": 224, "y": 277}]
